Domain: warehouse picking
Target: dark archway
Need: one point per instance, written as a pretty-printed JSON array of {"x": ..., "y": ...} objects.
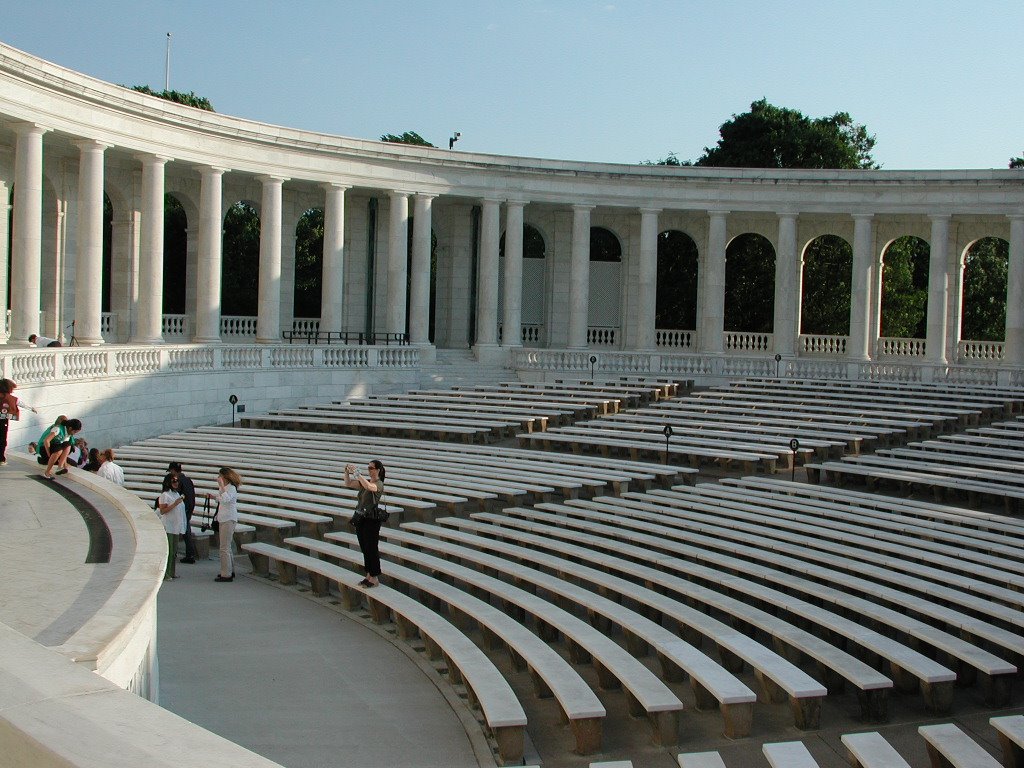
[
  {"x": 309, "y": 264},
  {"x": 984, "y": 293},
  {"x": 240, "y": 271},
  {"x": 905, "y": 288},
  {"x": 750, "y": 284},
  {"x": 828, "y": 273},
  {"x": 175, "y": 255},
  {"x": 108, "y": 251},
  {"x": 676, "y": 306},
  {"x": 534, "y": 276},
  {"x": 604, "y": 245}
]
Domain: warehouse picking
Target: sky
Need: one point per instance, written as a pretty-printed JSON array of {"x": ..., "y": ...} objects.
[{"x": 937, "y": 82}]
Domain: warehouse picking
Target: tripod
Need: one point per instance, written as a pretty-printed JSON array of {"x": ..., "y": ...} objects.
[{"x": 73, "y": 342}]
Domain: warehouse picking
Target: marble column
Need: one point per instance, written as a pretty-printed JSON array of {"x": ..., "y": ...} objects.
[
  {"x": 487, "y": 274},
  {"x": 938, "y": 292},
  {"x": 210, "y": 262},
  {"x": 149, "y": 321},
  {"x": 512, "y": 311},
  {"x": 786, "y": 327},
  {"x": 647, "y": 288},
  {"x": 862, "y": 332},
  {"x": 1013, "y": 350},
  {"x": 332, "y": 305},
  {"x": 89, "y": 263},
  {"x": 5, "y": 210},
  {"x": 712, "y": 329},
  {"x": 579, "y": 277},
  {"x": 268, "y": 321},
  {"x": 419, "y": 285},
  {"x": 26, "y": 237},
  {"x": 398, "y": 260}
]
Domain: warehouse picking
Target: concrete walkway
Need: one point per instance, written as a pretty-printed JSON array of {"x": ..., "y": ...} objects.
[{"x": 286, "y": 677}]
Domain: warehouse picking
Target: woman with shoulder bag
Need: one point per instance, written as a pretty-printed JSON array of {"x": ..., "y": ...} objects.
[
  {"x": 368, "y": 516},
  {"x": 228, "y": 483}
]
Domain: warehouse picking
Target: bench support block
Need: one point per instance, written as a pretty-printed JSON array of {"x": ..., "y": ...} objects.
[
  {"x": 738, "y": 719},
  {"x": 587, "y": 732},
  {"x": 938, "y": 697},
  {"x": 510, "y": 744},
  {"x": 874, "y": 705},
  {"x": 806, "y": 712}
]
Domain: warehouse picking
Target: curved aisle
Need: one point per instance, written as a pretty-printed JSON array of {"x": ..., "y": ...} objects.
[{"x": 297, "y": 682}]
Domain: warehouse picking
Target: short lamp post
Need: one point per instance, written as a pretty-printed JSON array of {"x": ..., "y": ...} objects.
[
  {"x": 235, "y": 408},
  {"x": 794, "y": 446},
  {"x": 778, "y": 361},
  {"x": 667, "y": 431},
  {"x": 593, "y": 362}
]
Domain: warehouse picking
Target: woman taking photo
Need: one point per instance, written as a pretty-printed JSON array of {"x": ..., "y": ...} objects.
[
  {"x": 228, "y": 483},
  {"x": 367, "y": 529},
  {"x": 171, "y": 507}
]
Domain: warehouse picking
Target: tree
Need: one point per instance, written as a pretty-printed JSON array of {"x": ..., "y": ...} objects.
[
  {"x": 670, "y": 159},
  {"x": 905, "y": 288},
  {"x": 178, "y": 97},
  {"x": 984, "y": 301},
  {"x": 409, "y": 137},
  {"x": 241, "y": 260},
  {"x": 775, "y": 137},
  {"x": 828, "y": 270},
  {"x": 1017, "y": 162},
  {"x": 309, "y": 263}
]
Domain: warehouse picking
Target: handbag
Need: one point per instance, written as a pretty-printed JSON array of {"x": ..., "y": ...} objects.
[
  {"x": 211, "y": 518},
  {"x": 378, "y": 513}
]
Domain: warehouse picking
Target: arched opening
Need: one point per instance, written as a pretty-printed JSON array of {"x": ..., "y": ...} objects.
[
  {"x": 309, "y": 264},
  {"x": 605, "y": 288},
  {"x": 904, "y": 312},
  {"x": 240, "y": 270},
  {"x": 750, "y": 284},
  {"x": 984, "y": 290},
  {"x": 534, "y": 271},
  {"x": 828, "y": 272},
  {"x": 175, "y": 256},
  {"x": 676, "y": 304}
]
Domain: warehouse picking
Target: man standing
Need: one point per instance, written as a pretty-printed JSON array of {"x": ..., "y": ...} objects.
[{"x": 188, "y": 491}]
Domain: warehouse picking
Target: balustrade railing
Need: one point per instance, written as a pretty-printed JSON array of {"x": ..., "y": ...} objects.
[
  {"x": 980, "y": 351},
  {"x": 235, "y": 326},
  {"x": 891, "y": 346},
  {"x": 530, "y": 334},
  {"x": 669, "y": 338},
  {"x": 174, "y": 326},
  {"x": 602, "y": 336},
  {"x": 744, "y": 342},
  {"x": 305, "y": 325},
  {"x": 817, "y": 344}
]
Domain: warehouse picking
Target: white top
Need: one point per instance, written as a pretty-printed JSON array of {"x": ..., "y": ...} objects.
[
  {"x": 228, "y": 511},
  {"x": 174, "y": 521},
  {"x": 110, "y": 471},
  {"x": 43, "y": 341}
]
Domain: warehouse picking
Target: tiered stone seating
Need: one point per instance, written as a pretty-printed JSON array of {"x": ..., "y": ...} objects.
[{"x": 981, "y": 464}]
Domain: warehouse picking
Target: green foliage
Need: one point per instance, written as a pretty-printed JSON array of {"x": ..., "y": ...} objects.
[
  {"x": 775, "y": 137},
  {"x": 309, "y": 263},
  {"x": 178, "y": 97},
  {"x": 1017, "y": 162},
  {"x": 984, "y": 299},
  {"x": 828, "y": 270},
  {"x": 750, "y": 284},
  {"x": 175, "y": 256},
  {"x": 670, "y": 159},
  {"x": 241, "y": 260},
  {"x": 676, "y": 306},
  {"x": 905, "y": 288},
  {"x": 409, "y": 137}
]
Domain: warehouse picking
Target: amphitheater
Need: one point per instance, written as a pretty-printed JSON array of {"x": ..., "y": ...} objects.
[{"x": 611, "y": 544}]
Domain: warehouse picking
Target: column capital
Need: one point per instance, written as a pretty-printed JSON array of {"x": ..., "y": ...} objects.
[
  {"x": 28, "y": 128},
  {"x": 148, "y": 158},
  {"x": 94, "y": 145},
  {"x": 1018, "y": 216},
  {"x": 788, "y": 214},
  {"x": 940, "y": 216},
  {"x": 271, "y": 179},
  {"x": 211, "y": 170},
  {"x": 717, "y": 213},
  {"x": 646, "y": 209},
  {"x": 395, "y": 193},
  {"x": 425, "y": 196},
  {"x": 583, "y": 206},
  {"x": 862, "y": 216},
  {"x": 332, "y": 186},
  {"x": 514, "y": 203},
  {"x": 492, "y": 200}
]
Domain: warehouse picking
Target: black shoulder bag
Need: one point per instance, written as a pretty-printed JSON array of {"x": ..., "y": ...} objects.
[{"x": 211, "y": 518}]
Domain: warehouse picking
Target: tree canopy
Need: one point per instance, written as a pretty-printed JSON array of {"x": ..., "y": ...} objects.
[
  {"x": 777, "y": 137},
  {"x": 178, "y": 97},
  {"x": 409, "y": 137}
]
